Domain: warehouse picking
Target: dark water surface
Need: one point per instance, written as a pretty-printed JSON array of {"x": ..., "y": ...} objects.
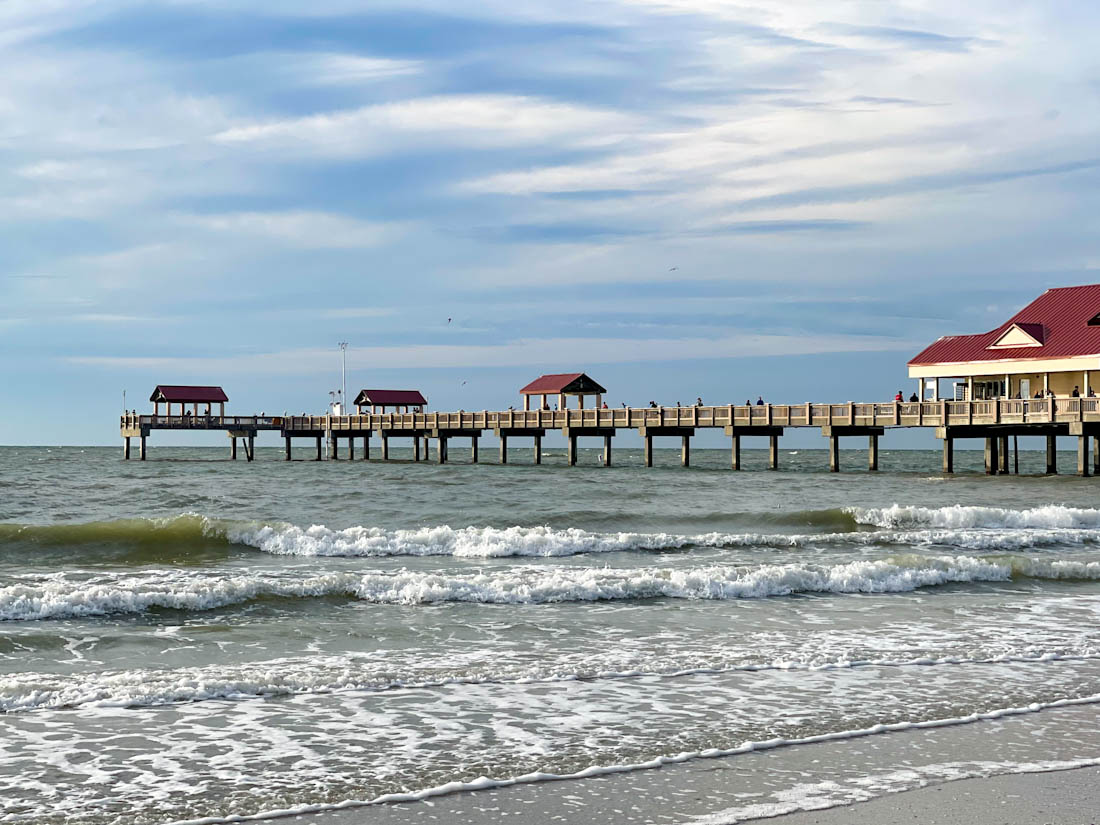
[{"x": 190, "y": 637}]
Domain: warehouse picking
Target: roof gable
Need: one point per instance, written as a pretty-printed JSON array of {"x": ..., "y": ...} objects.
[
  {"x": 568, "y": 383},
  {"x": 1020, "y": 335}
]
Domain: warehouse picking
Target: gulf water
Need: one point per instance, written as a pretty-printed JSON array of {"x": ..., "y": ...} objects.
[{"x": 188, "y": 637}]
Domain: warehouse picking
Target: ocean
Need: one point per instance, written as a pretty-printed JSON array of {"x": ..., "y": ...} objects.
[{"x": 191, "y": 638}]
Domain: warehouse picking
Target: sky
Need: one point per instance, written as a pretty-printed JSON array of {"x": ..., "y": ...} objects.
[{"x": 683, "y": 198}]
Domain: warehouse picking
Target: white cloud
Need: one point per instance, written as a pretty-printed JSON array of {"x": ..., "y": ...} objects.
[
  {"x": 469, "y": 120},
  {"x": 304, "y": 230},
  {"x": 523, "y": 352}
]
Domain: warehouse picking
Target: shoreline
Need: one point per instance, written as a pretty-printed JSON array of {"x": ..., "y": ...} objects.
[{"x": 905, "y": 774}]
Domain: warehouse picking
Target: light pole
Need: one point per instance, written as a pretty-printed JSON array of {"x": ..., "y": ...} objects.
[{"x": 343, "y": 377}]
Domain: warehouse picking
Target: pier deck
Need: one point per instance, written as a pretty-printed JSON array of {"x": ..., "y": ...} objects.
[{"x": 994, "y": 420}]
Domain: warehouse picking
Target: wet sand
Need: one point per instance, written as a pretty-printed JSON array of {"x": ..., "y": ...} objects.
[{"x": 910, "y": 776}]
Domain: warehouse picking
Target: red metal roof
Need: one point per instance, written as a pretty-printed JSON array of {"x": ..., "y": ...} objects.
[
  {"x": 562, "y": 382},
  {"x": 188, "y": 395},
  {"x": 1059, "y": 319},
  {"x": 391, "y": 398}
]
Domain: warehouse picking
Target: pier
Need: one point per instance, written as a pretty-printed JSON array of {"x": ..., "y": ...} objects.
[{"x": 994, "y": 420}]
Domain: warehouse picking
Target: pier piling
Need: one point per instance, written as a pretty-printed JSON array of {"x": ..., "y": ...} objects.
[
  {"x": 991, "y": 462},
  {"x": 286, "y": 447},
  {"x": 503, "y": 448},
  {"x": 385, "y": 448},
  {"x": 872, "y": 453},
  {"x": 1052, "y": 455},
  {"x": 538, "y": 449},
  {"x": 141, "y": 448},
  {"x": 773, "y": 453},
  {"x": 834, "y": 454},
  {"x": 735, "y": 452},
  {"x": 318, "y": 458},
  {"x": 233, "y": 447},
  {"x": 416, "y": 448},
  {"x": 473, "y": 448},
  {"x": 126, "y": 448},
  {"x": 1002, "y": 455},
  {"x": 1083, "y": 456},
  {"x": 648, "y": 450},
  {"x": 685, "y": 451},
  {"x": 572, "y": 449},
  {"x": 948, "y": 455},
  {"x": 607, "y": 451}
]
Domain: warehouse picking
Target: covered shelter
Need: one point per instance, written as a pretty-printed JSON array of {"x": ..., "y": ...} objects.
[
  {"x": 1050, "y": 348},
  {"x": 170, "y": 394},
  {"x": 562, "y": 384},
  {"x": 397, "y": 400}
]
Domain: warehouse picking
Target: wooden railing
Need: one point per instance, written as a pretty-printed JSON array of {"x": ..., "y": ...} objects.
[{"x": 851, "y": 414}]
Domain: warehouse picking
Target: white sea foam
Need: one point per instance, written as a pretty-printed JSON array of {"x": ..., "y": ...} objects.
[
  {"x": 959, "y": 516},
  {"x": 146, "y": 687},
  {"x": 60, "y": 596},
  {"x": 543, "y": 541}
]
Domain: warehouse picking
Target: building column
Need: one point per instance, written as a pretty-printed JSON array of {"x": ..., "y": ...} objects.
[
  {"x": 735, "y": 452},
  {"x": 538, "y": 449},
  {"x": 385, "y": 448},
  {"x": 572, "y": 450},
  {"x": 1083, "y": 456},
  {"x": 948, "y": 455},
  {"x": 834, "y": 454},
  {"x": 503, "y": 448},
  {"x": 318, "y": 449},
  {"x": 872, "y": 453},
  {"x": 1002, "y": 454},
  {"x": 606, "y": 450},
  {"x": 1052, "y": 455},
  {"x": 773, "y": 453},
  {"x": 473, "y": 448},
  {"x": 126, "y": 448},
  {"x": 648, "y": 450},
  {"x": 991, "y": 462},
  {"x": 685, "y": 451},
  {"x": 233, "y": 447},
  {"x": 286, "y": 449}
]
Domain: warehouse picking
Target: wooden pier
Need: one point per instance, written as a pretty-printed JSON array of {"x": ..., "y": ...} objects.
[{"x": 992, "y": 420}]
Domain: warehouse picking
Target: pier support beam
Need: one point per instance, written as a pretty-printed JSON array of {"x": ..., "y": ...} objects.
[
  {"x": 233, "y": 447},
  {"x": 251, "y": 447},
  {"x": 473, "y": 448},
  {"x": 416, "y": 448},
  {"x": 834, "y": 433},
  {"x": 684, "y": 434},
  {"x": 286, "y": 447},
  {"x": 333, "y": 454},
  {"x": 773, "y": 452},
  {"x": 834, "y": 453},
  {"x": 685, "y": 451},
  {"x": 872, "y": 453},
  {"x": 318, "y": 458},
  {"x": 607, "y": 451},
  {"x": 648, "y": 450},
  {"x": 503, "y": 449},
  {"x": 385, "y": 448},
  {"x": 1083, "y": 456},
  {"x": 427, "y": 452},
  {"x": 735, "y": 452},
  {"x": 1052, "y": 455},
  {"x": 572, "y": 450},
  {"x": 366, "y": 447},
  {"x": 948, "y": 455},
  {"x": 141, "y": 448},
  {"x": 1096, "y": 455},
  {"x": 991, "y": 461},
  {"x": 1002, "y": 455},
  {"x": 538, "y": 449},
  {"x": 441, "y": 449},
  {"x": 126, "y": 448}
]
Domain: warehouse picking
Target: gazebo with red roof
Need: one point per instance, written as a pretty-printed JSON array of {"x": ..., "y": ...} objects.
[
  {"x": 1049, "y": 348},
  {"x": 181, "y": 394},
  {"x": 562, "y": 385},
  {"x": 379, "y": 400}
]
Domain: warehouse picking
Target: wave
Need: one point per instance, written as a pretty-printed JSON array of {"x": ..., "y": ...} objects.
[
  {"x": 28, "y": 691},
  {"x": 959, "y": 516},
  {"x": 193, "y": 538},
  {"x": 60, "y": 597}
]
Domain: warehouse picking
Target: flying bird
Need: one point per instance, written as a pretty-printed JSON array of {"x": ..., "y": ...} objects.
[
  {"x": 448, "y": 320},
  {"x": 673, "y": 268}
]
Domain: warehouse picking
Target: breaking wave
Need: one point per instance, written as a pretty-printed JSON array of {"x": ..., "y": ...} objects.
[
  {"x": 58, "y": 596},
  {"x": 959, "y": 516}
]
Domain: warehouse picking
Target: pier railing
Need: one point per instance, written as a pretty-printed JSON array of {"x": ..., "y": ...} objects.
[{"x": 737, "y": 416}]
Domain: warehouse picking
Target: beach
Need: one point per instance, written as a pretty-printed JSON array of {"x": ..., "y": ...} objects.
[{"x": 190, "y": 639}]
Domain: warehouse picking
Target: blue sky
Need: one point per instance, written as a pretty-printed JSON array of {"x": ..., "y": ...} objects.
[{"x": 683, "y": 197}]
